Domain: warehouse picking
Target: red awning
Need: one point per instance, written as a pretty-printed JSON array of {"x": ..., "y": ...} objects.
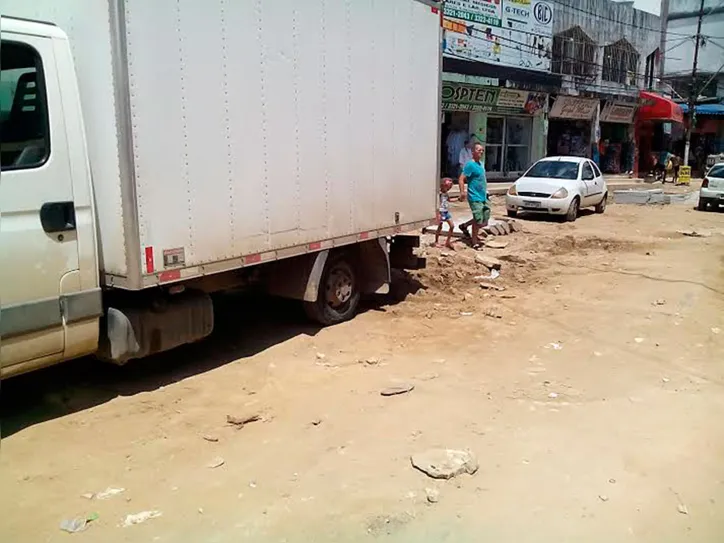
[{"x": 658, "y": 108}]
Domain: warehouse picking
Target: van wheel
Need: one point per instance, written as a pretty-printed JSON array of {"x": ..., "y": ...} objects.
[
  {"x": 338, "y": 296},
  {"x": 512, "y": 213},
  {"x": 701, "y": 206},
  {"x": 601, "y": 206},
  {"x": 572, "y": 214}
]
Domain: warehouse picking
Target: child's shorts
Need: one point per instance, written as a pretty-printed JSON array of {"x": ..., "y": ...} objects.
[{"x": 445, "y": 216}]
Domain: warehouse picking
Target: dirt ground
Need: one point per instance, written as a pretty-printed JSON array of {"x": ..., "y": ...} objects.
[{"x": 591, "y": 390}]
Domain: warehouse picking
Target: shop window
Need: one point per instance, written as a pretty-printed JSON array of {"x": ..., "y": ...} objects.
[
  {"x": 517, "y": 139},
  {"x": 494, "y": 144},
  {"x": 574, "y": 53},
  {"x": 24, "y": 140},
  {"x": 620, "y": 63},
  {"x": 507, "y": 145}
]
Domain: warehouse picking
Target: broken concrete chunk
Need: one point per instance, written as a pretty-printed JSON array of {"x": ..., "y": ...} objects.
[
  {"x": 489, "y": 262},
  {"x": 445, "y": 463},
  {"x": 397, "y": 389}
]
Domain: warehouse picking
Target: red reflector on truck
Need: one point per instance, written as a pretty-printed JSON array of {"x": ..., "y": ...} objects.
[
  {"x": 170, "y": 275},
  {"x": 316, "y": 246},
  {"x": 149, "y": 260},
  {"x": 364, "y": 235},
  {"x": 252, "y": 259}
]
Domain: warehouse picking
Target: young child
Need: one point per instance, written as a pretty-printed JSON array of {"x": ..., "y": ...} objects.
[{"x": 444, "y": 215}]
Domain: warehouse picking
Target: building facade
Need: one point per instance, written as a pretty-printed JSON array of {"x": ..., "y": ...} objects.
[
  {"x": 606, "y": 53},
  {"x": 681, "y": 19},
  {"x": 496, "y": 82},
  {"x": 530, "y": 78}
]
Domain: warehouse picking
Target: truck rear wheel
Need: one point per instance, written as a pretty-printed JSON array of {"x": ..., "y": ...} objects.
[{"x": 338, "y": 296}]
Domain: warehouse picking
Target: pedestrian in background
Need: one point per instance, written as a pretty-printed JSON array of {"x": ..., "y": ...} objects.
[{"x": 477, "y": 194}]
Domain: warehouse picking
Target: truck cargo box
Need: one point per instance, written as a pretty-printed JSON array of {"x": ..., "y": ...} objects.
[{"x": 227, "y": 133}]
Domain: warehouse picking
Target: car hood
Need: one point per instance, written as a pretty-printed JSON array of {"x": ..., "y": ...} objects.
[{"x": 542, "y": 184}]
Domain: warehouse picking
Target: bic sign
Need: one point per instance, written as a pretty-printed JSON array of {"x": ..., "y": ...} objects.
[{"x": 543, "y": 13}]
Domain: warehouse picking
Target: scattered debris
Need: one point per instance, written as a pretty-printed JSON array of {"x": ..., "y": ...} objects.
[
  {"x": 596, "y": 353},
  {"x": 495, "y": 244},
  {"x": 215, "y": 463},
  {"x": 612, "y": 481},
  {"x": 321, "y": 356},
  {"x": 660, "y": 301},
  {"x": 371, "y": 361},
  {"x": 78, "y": 524},
  {"x": 488, "y": 286},
  {"x": 639, "y": 339},
  {"x": 603, "y": 497},
  {"x": 316, "y": 422},
  {"x": 252, "y": 484},
  {"x": 694, "y": 234},
  {"x": 445, "y": 463},
  {"x": 466, "y": 314},
  {"x": 433, "y": 495},
  {"x": 554, "y": 346},
  {"x": 138, "y": 518},
  {"x": 492, "y": 313},
  {"x": 553, "y": 395},
  {"x": 241, "y": 421},
  {"x": 507, "y": 296},
  {"x": 665, "y": 379},
  {"x": 682, "y": 509},
  {"x": 397, "y": 389},
  {"x": 489, "y": 262},
  {"x": 211, "y": 438},
  {"x": 109, "y": 493},
  {"x": 715, "y": 330}
]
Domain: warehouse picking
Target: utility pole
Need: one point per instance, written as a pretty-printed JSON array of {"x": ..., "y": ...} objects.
[{"x": 694, "y": 93}]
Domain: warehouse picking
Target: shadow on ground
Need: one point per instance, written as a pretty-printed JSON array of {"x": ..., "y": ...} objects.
[{"x": 244, "y": 326}]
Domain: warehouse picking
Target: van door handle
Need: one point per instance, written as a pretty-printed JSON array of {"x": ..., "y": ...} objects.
[{"x": 57, "y": 216}]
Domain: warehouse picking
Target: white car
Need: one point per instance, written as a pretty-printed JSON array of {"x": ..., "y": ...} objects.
[
  {"x": 560, "y": 185},
  {"x": 712, "y": 188}
]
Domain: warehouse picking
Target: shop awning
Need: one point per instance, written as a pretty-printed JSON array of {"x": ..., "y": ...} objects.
[
  {"x": 659, "y": 108},
  {"x": 706, "y": 109}
]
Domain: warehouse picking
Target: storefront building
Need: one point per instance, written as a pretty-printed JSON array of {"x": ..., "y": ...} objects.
[
  {"x": 510, "y": 123},
  {"x": 571, "y": 127},
  {"x": 656, "y": 118},
  {"x": 616, "y": 144}
]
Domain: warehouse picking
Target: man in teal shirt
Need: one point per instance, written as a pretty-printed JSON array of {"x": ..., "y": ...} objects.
[{"x": 477, "y": 193}]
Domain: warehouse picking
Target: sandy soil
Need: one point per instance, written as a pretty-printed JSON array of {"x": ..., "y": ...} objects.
[{"x": 590, "y": 389}]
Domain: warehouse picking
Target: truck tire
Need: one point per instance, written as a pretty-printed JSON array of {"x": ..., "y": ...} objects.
[{"x": 338, "y": 296}]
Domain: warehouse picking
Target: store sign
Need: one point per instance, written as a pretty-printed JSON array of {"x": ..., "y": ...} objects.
[
  {"x": 571, "y": 107},
  {"x": 514, "y": 33},
  {"x": 614, "y": 112},
  {"x": 457, "y": 97},
  {"x": 460, "y": 97}
]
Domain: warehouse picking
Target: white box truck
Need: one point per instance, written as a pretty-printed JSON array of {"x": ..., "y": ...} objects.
[{"x": 155, "y": 152}]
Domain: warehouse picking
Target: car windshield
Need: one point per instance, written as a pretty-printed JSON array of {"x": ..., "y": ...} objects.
[
  {"x": 717, "y": 171},
  {"x": 555, "y": 169}
]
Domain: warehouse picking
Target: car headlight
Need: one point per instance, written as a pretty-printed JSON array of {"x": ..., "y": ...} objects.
[
  {"x": 512, "y": 191},
  {"x": 560, "y": 194}
]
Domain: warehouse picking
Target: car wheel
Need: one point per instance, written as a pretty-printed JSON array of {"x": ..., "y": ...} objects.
[
  {"x": 572, "y": 214},
  {"x": 701, "y": 206},
  {"x": 601, "y": 206},
  {"x": 512, "y": 213},
  {"x": 338, "y": 295}
]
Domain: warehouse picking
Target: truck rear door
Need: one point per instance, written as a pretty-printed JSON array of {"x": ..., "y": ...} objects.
[{"x": 38, "y": 240}]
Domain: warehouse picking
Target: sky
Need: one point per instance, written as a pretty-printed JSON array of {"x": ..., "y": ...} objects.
[{"x": 652, "y": 6}]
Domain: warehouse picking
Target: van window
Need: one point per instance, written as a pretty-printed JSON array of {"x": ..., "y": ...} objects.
[{"x": 24, "y": 134}]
